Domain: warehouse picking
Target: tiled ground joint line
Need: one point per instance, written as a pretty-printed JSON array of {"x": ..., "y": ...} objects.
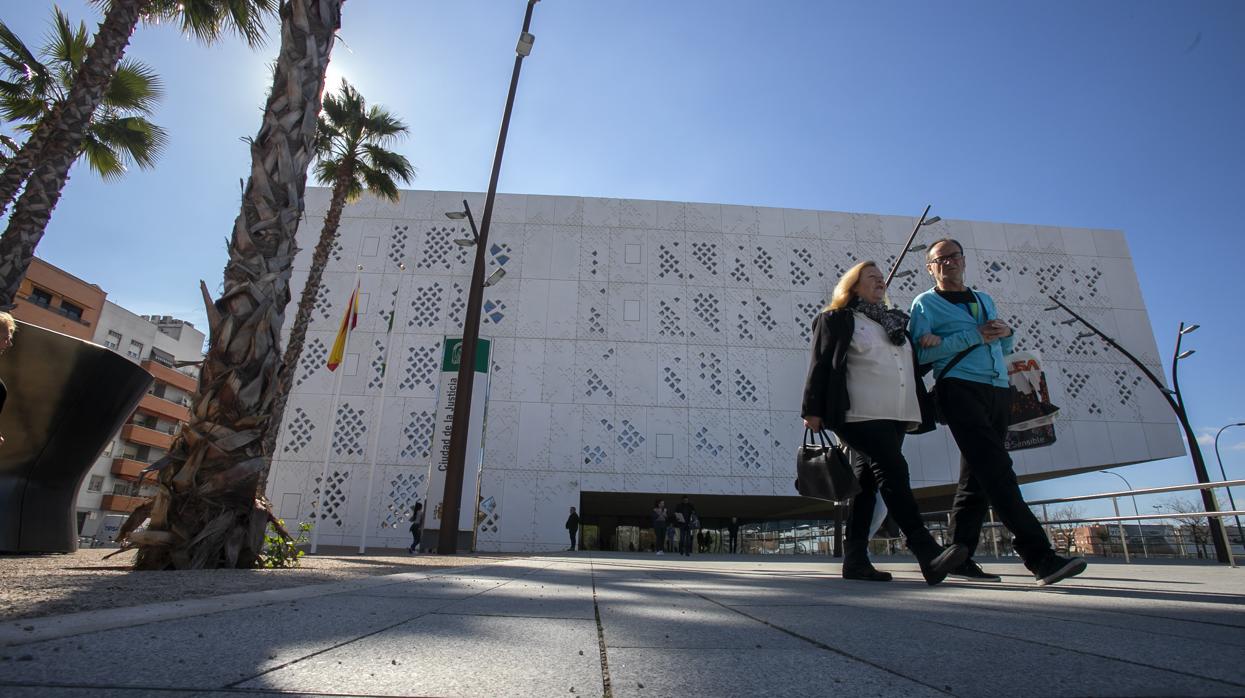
[
  {"x": 804, "y": 638},
  {"x": 606, "y": 687}
]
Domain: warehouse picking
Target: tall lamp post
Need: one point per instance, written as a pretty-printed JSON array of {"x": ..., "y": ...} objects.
[
  {"x": 447, "y": 538},
  {"x": 1172, "y": 395},
  {"x": 1223, "y": 473},
  {"x": 1140, "y": 525},
  {"x": 908, "y": 246}
]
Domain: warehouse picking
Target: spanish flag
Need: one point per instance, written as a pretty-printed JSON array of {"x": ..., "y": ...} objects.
[{"x": 349, "y": 321}]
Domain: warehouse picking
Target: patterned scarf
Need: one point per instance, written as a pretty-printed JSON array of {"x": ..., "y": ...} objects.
[{"x": 893, "y": 320}]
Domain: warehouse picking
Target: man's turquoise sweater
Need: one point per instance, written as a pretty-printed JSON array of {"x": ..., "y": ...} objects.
[{"x": 958, "y": 329}]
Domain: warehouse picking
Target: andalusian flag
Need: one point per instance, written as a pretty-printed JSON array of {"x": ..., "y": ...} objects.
[{"x": 349, "y": 321}]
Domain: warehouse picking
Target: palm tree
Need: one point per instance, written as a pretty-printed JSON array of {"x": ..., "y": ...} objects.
[
  {"x": 54, "y": 144},
  {"x": 205, "y": 512},
  {"x": 351, "y": 157},
  {"x": 119, "y": 132}
]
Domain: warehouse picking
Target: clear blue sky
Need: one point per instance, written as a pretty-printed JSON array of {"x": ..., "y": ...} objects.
[{"x": 1122, "y": 114}]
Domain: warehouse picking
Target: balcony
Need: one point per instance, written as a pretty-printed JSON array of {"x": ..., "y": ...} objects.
[
  {"x": 172, "y": 376},
  {"x": 120, "y": 502},
  {"x": 129, "y": 469},
  {"x": 147, "y": 437},
  {"x": 164, "y": 408}
]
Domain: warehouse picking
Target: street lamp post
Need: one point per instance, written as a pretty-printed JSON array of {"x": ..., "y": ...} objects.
[
  {"x": 1223, "y": 473},
  {"x": 1140, "y": 526},
  {"x": 447, "y": 538},
  {"x": 908, "y": 247},
  {"x": 1172, "y": 395}
]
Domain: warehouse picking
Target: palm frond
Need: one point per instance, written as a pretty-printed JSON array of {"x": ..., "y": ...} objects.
[
  {"x": 135, "y": 88},
  {"x": 64, "y": 43},
  {"x": 131, "y": 139},
  {"x": 388, "y": 162},
  {"x": 378, "y": 182},
  {"x": 382, "y": 126},
  {"x": 209, "y": 20}
]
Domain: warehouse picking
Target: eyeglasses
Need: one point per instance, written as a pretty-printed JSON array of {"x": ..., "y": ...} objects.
[{"x": 944, "y": 260}]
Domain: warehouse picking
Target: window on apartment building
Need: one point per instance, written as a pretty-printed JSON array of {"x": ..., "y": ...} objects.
[
  {"x": 96, "y": 484},
  {"x": 40, "y": 297},
  {"x": 71, "y": 310},
  {"x": 113, "y": 340},
  {"x": 136, "y": 350},
  {"x": 162, "y": 357}
]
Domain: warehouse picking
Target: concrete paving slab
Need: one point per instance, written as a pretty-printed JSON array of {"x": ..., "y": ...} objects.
[
  {"x": 970, "y": 663},
  {"x": 444, "y": 654},
  {"x": 683, "y": 621},
  {"x": 776, "y": 672},
  {"x": 532, "y": 599},
  {"x": 207, "y": 651}
]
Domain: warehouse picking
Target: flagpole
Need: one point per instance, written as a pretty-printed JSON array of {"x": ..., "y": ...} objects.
[
  {"x": 380, "y": 415},
  {"x": 337, "y": 392}
]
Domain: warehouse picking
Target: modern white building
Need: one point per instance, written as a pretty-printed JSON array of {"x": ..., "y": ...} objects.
[
  {"x": 653, "y": 348},
  {"x": 156, "y": 343}
]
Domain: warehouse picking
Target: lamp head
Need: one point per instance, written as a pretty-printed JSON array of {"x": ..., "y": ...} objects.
[
  {"x": 494, "y": 277},
  {"x": 464, "y": 242},
  {"x": 932, "y": 220},
  {"x": 1186, "y": 354},
  {"x": 1190, "y": 328},
  {"x": 456, "y": 215},
  {"x": 917, "y": 248}
]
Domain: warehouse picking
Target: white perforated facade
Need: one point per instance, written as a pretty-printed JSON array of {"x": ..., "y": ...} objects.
[{"x": 660, "y": 347}]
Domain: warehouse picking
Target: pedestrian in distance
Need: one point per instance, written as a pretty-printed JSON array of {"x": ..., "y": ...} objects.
[
  {"x": 684, "y": 514},
  {"x": 974, "y": 397},
  {"x": 417, "y": 526},
  {"x": 732, "y": 529},
  {"x": 8, "y": 326},
  {"x": 572, "y": 527},
  {"x": 659, "y": 526},
  {"x": 862, "y": 383}
]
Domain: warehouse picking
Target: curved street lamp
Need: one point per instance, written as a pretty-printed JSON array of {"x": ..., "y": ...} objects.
[
  {"x": 1140, "y": 524},
  {"x": 447, "y": 535},
  {"x": 1222, "y": 473},
  {"x": 1176, "y": 402},
  {"x": 908, "y": 246}
]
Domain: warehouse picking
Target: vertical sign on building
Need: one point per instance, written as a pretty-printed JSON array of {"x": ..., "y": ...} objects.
[{"x": 450, "y": 361}]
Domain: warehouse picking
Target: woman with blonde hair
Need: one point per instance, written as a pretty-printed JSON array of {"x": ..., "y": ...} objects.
[{"x": 863, "y": 384}]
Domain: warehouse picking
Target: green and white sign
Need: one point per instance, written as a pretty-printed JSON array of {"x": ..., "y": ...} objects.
[{"x": 451, "y": 359}]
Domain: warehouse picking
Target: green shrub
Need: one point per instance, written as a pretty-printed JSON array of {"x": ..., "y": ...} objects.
[{"x": 280, "y": 550}]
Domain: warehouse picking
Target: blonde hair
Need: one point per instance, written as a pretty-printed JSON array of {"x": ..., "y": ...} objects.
[
  {"x": 8, "y": 323},
  {"x": 843, "y": 290}
]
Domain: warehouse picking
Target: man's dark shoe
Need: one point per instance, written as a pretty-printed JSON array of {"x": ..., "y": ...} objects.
[
  {"x": 1055, "y": 568},
  {"x": 866, "y": 572},
  {"x": 972, "y": 571},
  {"x": 951, "y": 557}
]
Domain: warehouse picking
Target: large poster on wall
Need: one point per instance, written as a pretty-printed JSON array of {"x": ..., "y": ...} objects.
[{"x": 451, "y": 359}]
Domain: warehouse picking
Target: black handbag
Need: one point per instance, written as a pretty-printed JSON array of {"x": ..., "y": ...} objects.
[
  {"x": 823, "y": 470},
  {"x": 933, "y": 392}
]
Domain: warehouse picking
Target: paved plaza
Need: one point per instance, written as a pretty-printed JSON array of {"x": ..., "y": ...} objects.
[{"x": 590, "y": 624}]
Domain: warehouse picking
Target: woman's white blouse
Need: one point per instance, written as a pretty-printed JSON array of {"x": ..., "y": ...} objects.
[{"x": 881, "y": 382}]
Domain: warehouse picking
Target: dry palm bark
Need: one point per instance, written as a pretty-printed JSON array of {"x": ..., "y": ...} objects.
[{"x": 206, "y": 511}]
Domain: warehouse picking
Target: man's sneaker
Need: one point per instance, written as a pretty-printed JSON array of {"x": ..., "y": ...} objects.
[
  {"x": 1055, "y": 568},
  {"x": 951, "y": 557},
  {"x": 973, "y": 572}
]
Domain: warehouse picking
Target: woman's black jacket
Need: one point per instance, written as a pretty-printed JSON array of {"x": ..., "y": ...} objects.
[{"x": 825, "y": 389}]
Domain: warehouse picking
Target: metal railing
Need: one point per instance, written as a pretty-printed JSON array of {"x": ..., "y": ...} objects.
[{"x": 1214, "y": 518}]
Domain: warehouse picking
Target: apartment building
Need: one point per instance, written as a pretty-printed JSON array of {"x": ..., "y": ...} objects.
[
  {"x": 53, "y": 298},
  {"x": 158, "y": 344}
]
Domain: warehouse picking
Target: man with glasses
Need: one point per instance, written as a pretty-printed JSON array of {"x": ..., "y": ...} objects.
[{"x": 974, "y": 397}]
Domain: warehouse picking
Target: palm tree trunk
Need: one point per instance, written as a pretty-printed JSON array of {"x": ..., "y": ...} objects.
[
  {"x": 62, "y": 144},
  {"x": 206, "y": 512},
  {"x": 302, "y": 320},
  {"x": 23, "y": 162}
]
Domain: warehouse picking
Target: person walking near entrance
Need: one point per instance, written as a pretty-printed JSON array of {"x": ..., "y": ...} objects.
[
  {"x": 572, "y": 527},
  {"x": 659, "y": 526},
  {"x": 417, "y": 526},
  {"x": 862, "y": 383},
  {"x": 732, "y": 528},
  {"x": 685, "y": 513},
  {"x": 974, "y": 398}
]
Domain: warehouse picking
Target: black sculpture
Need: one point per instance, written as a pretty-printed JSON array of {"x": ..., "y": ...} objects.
[{"x": 66, "y": 398}]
